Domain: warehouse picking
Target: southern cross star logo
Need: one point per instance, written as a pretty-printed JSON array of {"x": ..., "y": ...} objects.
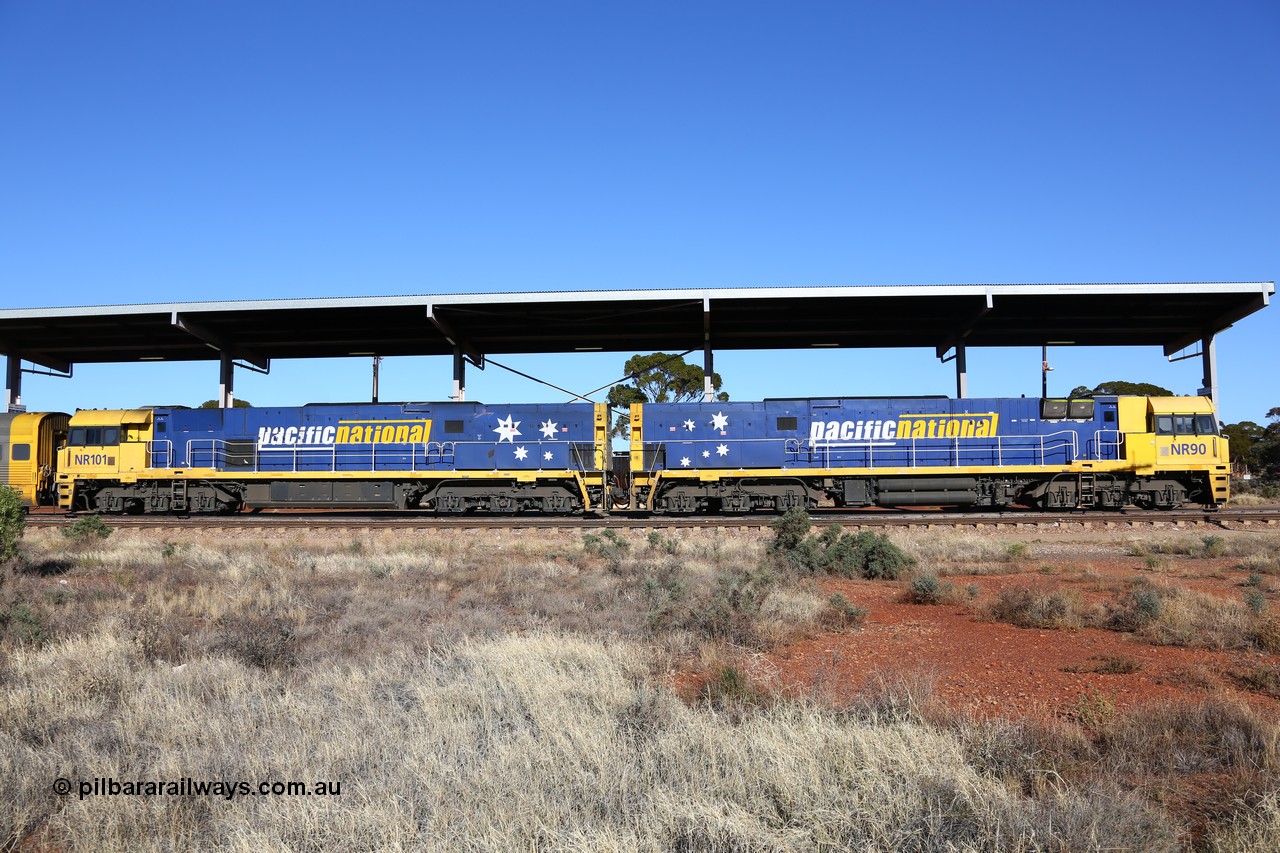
[
  {"x": 719, "y": 420},
  {"x": 722, "y": 450},
  {"x": 548, "y": 429},
  {"x": 706, "y": 454},
  {"x": 684, "y": 461},
  {"x": 547, "y": 456},
  {"x": 506, "y": 430},
  {"x": 521, "y": 453},
  {"x": 688, "y": 425}
]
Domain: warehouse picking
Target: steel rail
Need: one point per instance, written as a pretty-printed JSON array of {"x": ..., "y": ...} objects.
[{"x": 338, "y": 520}]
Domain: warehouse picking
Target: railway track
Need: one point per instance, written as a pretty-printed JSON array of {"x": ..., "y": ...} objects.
[{"x": 1263, "y": 517}]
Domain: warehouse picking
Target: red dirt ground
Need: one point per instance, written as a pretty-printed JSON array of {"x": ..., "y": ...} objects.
[{"x": 990, "y": 668}]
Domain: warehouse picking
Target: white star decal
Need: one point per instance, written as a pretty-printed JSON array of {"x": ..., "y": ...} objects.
[
  {"x": 506, "y": 430},
  {"x": 521, "y": 453},
  {"x": 722, "y": 450},
  {"x": 547, "y": 456},
  {"x": 688, "y": 425},
  {"x": 684, "y": 461},
  {"x": 719, "y": 420},
  {"x": 548, "y": 429},
  {"x": 706, "y": 454}
]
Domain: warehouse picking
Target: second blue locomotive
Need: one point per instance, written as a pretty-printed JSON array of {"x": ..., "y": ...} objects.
[{"x": 1106, "y": 452}]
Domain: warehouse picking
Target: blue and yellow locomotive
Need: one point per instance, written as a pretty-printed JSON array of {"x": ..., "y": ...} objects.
[
  {"x": 1103, "y": 453},
  {"x": 446, "y": 457}
]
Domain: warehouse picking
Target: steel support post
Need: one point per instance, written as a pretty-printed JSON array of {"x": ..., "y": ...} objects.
[
  {"x": 962, "y": 374},
  {"x": 708, "y": 367},
  {"x": 226, "y": 380},
  {"x": 12, "y": 382},
  {"x": 708, "y": 361},
  {"x": 459, "y": 375},
  {"x": 1209, "y": 359}
]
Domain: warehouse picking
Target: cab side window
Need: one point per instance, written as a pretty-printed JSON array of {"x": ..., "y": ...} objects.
[
  {"x": 1186, "y": 425},
  {"x": 93, "y": 436},
  {"x": 21, "y": 452},
  {"x": 1206, "y": 425}
]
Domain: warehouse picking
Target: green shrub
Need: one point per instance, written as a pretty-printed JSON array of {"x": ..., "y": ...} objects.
[
  {"x": 23, "y": 624},
  {"x": 665, "y": 544},
  {"x": 1137, "y": 610},
  {"x": 731, "y": 611},
  {"x": 879, "y": 557},
  {"x": 866, "y": 555},
  {"x": 12, "y": 522},
  {"x": 608, "y": 545},
  {"x": 842, "y": 613},
  {"x": 789, "y": 531},
  {"x": 1095, "y": 712},
  {"x": 1214, "y": 546},
  {"x": 1255, "y": 600},
  {"x": 83, "y": 529},
  {"x": 930, "y": 589}
]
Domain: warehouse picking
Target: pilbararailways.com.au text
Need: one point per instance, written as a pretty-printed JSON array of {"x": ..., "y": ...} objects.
[{"x": 188, "y": 787}]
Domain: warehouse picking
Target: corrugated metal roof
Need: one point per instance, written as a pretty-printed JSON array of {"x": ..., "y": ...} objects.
[{"x": 1168, "y": 314}]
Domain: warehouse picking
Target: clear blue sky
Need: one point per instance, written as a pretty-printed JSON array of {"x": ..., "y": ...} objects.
[{"x": 162, "y": 151}]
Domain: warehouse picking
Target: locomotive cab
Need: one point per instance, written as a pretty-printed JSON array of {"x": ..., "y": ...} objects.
[
  {"x": 102, "y": 445},
  {"x": 1186, "y": 440}
]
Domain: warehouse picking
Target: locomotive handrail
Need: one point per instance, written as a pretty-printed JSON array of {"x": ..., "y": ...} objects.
[
  {"x": 1099, "y": 445},
  {"x": 420, "y": 454},
  {"x": 995, "y": 450},
  {"x": 370, "y": 456},
  {"x": 152, "y": 451}
]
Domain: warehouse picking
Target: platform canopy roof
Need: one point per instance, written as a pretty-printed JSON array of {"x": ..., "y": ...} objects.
[{"x": 1169, "y": 315}]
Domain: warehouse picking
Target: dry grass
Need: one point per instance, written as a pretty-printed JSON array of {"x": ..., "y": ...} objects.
[
  {"x": 1254, "y": 827},
  {"x": 508, "y": 692},
  {"x": 1032, "y": 608},
  {"x": 545, "y": 740},
  {"x": 1163, "y": 614},
  {"x": 1170, "y": 615},
  {"x": 1206, "y": 545},
  {"x": 964, "y": 553},
  {"x": 294, "y": 603}
]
